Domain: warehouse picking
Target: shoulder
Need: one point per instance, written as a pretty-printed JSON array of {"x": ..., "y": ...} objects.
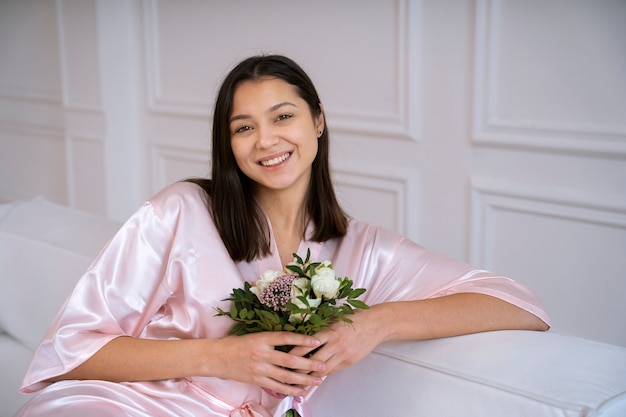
[
  {"x": 180, "y": 194},
  {"x": 180, "y": 200}
]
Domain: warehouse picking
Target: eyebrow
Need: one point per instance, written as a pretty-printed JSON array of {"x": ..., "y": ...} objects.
[{"x": 271, "y": 109}]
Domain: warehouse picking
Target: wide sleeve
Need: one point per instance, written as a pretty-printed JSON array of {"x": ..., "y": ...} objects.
[
  {"x": 394, "y": 268},
  {"x": 120, "y": 292}
]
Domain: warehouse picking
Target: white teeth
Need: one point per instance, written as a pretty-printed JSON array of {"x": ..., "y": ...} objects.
[{"x": 275, "y": 161}]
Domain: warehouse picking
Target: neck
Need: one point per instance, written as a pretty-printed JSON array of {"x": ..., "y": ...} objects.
[
  {"x": 286, "y": 213},
  {"x": 288, "y": 218}
]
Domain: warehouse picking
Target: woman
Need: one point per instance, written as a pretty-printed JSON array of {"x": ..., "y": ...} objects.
[{"x": 139, "y": 335}]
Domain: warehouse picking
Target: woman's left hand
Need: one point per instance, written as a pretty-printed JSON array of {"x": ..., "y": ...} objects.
[{"x": 344, "y": 344}]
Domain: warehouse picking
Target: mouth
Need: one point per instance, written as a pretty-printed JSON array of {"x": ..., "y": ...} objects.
[{"x": 275, "y": 161}]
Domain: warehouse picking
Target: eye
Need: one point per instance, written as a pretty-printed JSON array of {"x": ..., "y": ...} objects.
[
  {"x": 284, "y": 116},
  {"x": 242, "y": 129}
]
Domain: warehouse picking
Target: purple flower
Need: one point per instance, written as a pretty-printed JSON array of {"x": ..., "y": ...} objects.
[{"x": 277, "y": 293}]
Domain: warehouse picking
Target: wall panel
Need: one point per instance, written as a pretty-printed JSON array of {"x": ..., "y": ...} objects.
[
  {"x": 36, "y": 163},
  {"x": 79, "y": 54},
  {"x": 570, "y": 251},
  {"x": 173, "y": 164},
  {"x": 384, "y": 196},
  {"x": 551, "y": 76},
  {"x": 27, "y": 26}
]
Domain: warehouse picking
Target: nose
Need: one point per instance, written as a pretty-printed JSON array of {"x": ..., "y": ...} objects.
[{"x": 266, "y": 137}]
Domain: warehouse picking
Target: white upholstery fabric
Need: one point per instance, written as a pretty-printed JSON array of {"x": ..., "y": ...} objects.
[
  {"x": 508, "y": 373},
  {"x": 43, "y": 275}
]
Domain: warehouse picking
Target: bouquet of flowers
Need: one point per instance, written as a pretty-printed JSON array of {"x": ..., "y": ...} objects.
[{"x": 305, "y": 298}]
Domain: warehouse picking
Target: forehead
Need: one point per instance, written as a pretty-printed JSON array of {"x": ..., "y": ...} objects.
[{"x": 264, "y": 91}]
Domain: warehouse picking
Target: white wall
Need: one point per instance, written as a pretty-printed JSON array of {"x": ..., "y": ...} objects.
[{"x": 492, "y": 131}]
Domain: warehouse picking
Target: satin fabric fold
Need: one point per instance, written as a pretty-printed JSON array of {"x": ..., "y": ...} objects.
[{"x": 165, "y": 272}]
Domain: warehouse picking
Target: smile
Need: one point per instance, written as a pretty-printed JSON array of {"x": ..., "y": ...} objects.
[{"x": 275, "y": 161}]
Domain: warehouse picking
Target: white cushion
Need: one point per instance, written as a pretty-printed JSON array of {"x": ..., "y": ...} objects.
[
  {"x": 42, "y": 220},
  {"x": 508, "y": 373},
  {"x": 44, "y": 249},
  {"x": 36, "y": 278}
]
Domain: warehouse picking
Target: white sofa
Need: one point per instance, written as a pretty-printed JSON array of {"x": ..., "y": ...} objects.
[{"x": 45, "y": 247}]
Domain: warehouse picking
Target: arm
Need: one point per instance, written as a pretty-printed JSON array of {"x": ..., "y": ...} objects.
[
  {"x": 453, "y": 315},
  {"x": 251, "y": 359}
]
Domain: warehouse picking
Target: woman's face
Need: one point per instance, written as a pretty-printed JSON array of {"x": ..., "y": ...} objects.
[{"x": 273, "y": 135}]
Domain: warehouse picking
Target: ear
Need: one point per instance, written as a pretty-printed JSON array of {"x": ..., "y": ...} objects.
[{"x": 319, "y": 122}]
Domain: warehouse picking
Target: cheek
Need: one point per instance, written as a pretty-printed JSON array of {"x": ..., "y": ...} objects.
[
  {"x": 239, "y": 150},
  {"x": 238, "y": 153},
  {"x": 314, "y": 148}
]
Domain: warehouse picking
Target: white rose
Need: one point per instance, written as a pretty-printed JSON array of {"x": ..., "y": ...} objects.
[
  {"x": 297, "y": 287},
  {"x": 324, "y": 282},
  {"x": 264, "y": 280}
]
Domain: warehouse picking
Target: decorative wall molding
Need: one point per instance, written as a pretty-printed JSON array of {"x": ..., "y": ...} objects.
[
  {"x": 400, "y": 122},
  {"x": 195, "y": 162},
  {"x": 157, "y": 101},
  {"x": 491, "y": 129},
  {"x": 32, "y": 129},
  {"x": 490, "y": 197},
  {"x": 403, "y": 122},
  {"x": 39, "y": 95},
  {"x": 68, "y": 100},
  {"x": 401, "y": 184}
]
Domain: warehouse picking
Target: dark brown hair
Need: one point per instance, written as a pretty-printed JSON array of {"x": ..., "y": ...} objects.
[{"x": 239, "y": 220}]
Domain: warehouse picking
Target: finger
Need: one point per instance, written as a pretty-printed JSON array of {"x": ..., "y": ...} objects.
[
  {"x": 294, "y": 339},
  {"x": 291, "y": 383},
  {"x": 292, "y": 362},
  {"x": 297, "y": 379}
]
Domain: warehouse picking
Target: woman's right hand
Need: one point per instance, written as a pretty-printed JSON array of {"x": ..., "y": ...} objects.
[{"x": 253, "y": 359}]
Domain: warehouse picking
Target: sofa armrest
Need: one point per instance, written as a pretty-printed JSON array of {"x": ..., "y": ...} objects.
[{"x": 504, "y": 373}]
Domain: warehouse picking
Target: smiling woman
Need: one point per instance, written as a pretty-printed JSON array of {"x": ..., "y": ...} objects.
[{"x": 139, "y": 334}]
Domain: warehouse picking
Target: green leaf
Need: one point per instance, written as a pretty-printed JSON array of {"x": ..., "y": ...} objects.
[
  {"x": 267, "y": 316},
  {"x": 295, "y": 268},
  {"x": 356, "y": 293},
  {"x": 358, "y": 304},
  {"x": 298, "y": 258}
]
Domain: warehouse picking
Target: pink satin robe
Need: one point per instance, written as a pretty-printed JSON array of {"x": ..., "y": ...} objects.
[{"x": 164, "y": 273}]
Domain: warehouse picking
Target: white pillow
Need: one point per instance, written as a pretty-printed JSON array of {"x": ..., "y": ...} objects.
[
  {"x": 39, "y": 219},
  {"x": 35, "y": 278}
]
